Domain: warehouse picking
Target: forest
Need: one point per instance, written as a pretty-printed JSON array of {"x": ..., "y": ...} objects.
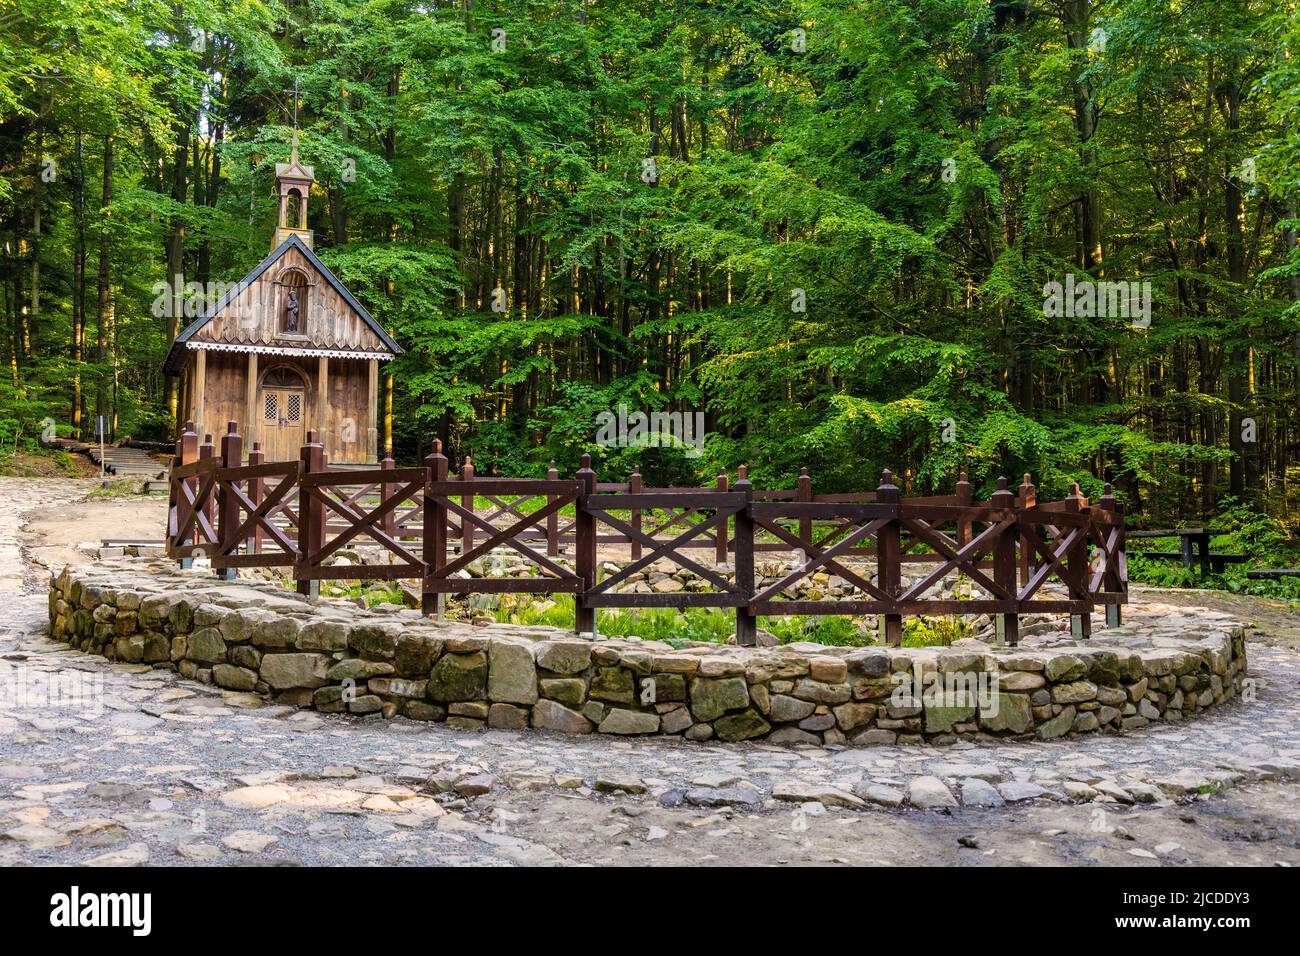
[{"x": 1053, "y": 236}]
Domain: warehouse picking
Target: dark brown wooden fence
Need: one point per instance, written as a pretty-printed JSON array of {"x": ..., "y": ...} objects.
[{"x": 300, "y": 514}]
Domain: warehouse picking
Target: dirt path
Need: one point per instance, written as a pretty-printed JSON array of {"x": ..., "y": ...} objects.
[
  {"x": 69, "y": 524},
  {"x": 153, "y": 768},
  {"x": 1276, "y": 623}
]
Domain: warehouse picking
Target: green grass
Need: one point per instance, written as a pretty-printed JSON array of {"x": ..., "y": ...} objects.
[
  {"x": 120, "y": 488},
  {"x": 831, "y": 630},
  {"x": 371, "y": 593},
  {"x": 651, "y": 624},
  {"x": 698, "y": 624},
  {"x": 669, "y": 625}
]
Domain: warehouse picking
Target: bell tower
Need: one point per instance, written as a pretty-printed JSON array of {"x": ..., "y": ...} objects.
[{"x": 293, "y": 180}]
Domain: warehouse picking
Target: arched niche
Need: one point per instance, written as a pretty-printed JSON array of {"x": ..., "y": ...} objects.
[{"x": 293, "y": 302}]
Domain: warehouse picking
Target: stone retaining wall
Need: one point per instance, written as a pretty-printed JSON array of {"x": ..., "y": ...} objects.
[{"x": 1164, "y": 664}]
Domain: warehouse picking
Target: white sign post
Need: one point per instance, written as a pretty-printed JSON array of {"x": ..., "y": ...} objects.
[{"x": 101, "y": 426}]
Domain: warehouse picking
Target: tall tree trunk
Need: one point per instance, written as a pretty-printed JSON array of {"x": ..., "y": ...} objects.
[
  {"x": 78, "y": 286},
  {"x": 1234, "y": 218},
  {"x": 105, "y": 285},
  {"x": 32, "y": 317}
]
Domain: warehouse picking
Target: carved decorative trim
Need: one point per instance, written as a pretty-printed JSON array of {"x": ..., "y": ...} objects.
[{"x": 287, "y": 350}]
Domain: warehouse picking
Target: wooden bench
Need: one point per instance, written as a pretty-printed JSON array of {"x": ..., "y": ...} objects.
[
  {"x": 1192, "y": 539},
  {"x": 1264, "y": 574}
]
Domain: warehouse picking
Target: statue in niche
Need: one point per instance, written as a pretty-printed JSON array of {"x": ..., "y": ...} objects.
[{"x": 291, "y": 312}]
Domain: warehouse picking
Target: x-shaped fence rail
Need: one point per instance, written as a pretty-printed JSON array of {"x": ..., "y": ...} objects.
[{"x": 303, "y": 515}]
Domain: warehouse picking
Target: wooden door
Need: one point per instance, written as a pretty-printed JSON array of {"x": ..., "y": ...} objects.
[{"x": 283, "y": 411}]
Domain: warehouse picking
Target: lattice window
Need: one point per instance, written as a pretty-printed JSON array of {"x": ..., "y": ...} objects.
[
  {"x": 270, "y": 409},
  {"x": 293, "y": 412}
]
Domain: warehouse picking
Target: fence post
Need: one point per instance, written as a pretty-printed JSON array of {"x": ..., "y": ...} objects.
[
  {"x": 803, "y": 492},
  {"x": 1203, "y": 550},
  {"x": 1028, "y": 499},
  {"x": 187, "y": 452},
  {"x": 322, "y": 514},
  {"x": 209, "y": 450},
  {"x": 172, "y": 496},
  {"x": 552, "y": 520},
  {"x": 1077, "y": 565},
  {"x": 964, "y": 499},
  {"x": 584, "y": 618},
  {"x": 255, "y": 457},
  {"x": 889, "y": 557},
  {"x": 311, "y": 515},
  {"x": 720, "y": 554},
  {"x": 435, "y": 531},
  {"x": 385, "y": 490},
  {"x": 1007, "y": 624},
  {"x": 232, "y": 447},
  {"x": 634, "y": 488},
  {"x": 1114, "y": 615},
  {"x": 746, "y": 621},
  {"x": 467, "y": 502}
]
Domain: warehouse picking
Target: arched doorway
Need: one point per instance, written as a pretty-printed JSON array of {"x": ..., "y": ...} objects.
[{"x": 282, "y": 412}]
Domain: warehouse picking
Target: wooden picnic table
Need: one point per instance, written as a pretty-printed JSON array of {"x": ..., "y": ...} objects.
[{"x": 1191, "y": 540}]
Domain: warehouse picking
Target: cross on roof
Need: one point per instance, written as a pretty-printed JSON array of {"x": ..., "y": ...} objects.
[
  {"x": 296, "y": 97},
  {"x": 293, "y": 158}
]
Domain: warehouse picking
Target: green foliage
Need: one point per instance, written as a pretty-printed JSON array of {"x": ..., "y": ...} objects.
[
  {"x": 650, "y": 624},
  {"x": 835, "y": 631},
  {"x": 673, "y": 626},
  {"x": 934, "y": 631},
  {"x": 1268, "y": 541},
  {"x": 801, "y": 267}
]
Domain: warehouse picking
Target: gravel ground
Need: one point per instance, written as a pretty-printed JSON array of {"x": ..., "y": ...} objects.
[{"x": 162, "y": 770}]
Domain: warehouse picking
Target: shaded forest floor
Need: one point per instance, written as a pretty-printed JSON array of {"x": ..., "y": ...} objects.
[{"x": 25, "y": 464}]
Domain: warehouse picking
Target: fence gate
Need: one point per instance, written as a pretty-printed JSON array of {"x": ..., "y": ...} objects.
[
  {"x": 190, "y": 526},
  {"x": 327, "y": 491},
  {"x": 855, "y": 523},
  {"x": 723, "y": 506},
  {"x": 1054, "y": 538},
  {"x": 246, "y": 491},
  {"x": 445, "y": 499}
]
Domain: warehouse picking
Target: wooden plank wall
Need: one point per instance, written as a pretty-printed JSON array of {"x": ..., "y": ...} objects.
[
  {"x": 253, "y": 317},
  {"x": 225, "y": 397},
  {"x": 348, "y": 386}
]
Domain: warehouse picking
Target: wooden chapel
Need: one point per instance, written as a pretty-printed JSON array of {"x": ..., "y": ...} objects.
[{"x": 288, "y": 348}]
